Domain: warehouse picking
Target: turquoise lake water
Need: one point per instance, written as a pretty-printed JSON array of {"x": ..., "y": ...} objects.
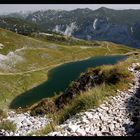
[{"x": 59, "y": 79}]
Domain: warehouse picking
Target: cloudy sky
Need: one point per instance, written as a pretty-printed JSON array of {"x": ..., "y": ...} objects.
[{"x": 10, "y": 8}]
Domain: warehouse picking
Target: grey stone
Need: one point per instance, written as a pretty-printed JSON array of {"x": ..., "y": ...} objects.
[
  {"x": 7, "y": 134},
  {"x": 119, "y": 120},
  {"x": 19, "y": 125},
  {"x": 104, "y": 119},
  {"x": 89, "y": 115},
  {"x": 74, "y": 134},
  {"x": 80, "y": 132},
  {"x": 111, "y": 127},
  {"x": 72, "y": 128},
  {"x": 17, "y": 134},
  {"x": 87, "y": 129},
  {"x": 98, "y": 133},
  {"x": 84, "y": 120},
  {"x": 11, "y": 133},
  {"x": 114, "y": 133},
  {"x": 103, "y": 128},
  {"x": 54, "y": 133}
]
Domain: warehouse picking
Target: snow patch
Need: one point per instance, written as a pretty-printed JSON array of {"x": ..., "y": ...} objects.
[
  {"x": 94, "y": 24},
  {"x": 132, "y": 29}
]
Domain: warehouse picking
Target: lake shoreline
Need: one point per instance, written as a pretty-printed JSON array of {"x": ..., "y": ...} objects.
[{"x": 59, "y": 78}]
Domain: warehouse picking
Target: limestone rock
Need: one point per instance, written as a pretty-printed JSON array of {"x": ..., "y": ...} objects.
[{"x": 80, "y": 132}]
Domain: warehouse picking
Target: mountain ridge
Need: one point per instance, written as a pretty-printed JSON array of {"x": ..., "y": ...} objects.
[{"x": 118, "y": 26}]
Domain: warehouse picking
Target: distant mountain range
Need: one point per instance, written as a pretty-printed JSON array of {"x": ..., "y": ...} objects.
[{"x": 119, "y": 26}]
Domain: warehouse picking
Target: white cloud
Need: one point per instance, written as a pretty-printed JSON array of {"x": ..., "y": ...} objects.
[{"x": 6, "y": 8}]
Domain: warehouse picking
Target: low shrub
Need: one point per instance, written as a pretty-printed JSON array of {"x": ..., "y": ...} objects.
[
  {"x": 89, "y": 99},
  {"x": 3, "y": 114},
  {"x": 46, "y": 106},
  {"x": 8, "y": 125}
]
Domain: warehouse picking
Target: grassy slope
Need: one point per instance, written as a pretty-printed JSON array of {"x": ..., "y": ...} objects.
[{"x": 39, "y": 55}]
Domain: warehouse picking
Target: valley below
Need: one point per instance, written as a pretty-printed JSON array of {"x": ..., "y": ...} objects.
[{"x": 37, "y": 57}]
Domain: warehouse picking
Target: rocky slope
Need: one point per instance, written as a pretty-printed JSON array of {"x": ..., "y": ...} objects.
[
  {"x": 119, "y": 26},
  {"x": 24, "y": 124},
  {"x": 115, "y": 117}
]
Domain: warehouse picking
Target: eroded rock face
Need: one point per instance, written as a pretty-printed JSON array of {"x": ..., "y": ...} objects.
[
  {"x": 104, "y": 29},
  {"x": 102, "y": 24}
]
